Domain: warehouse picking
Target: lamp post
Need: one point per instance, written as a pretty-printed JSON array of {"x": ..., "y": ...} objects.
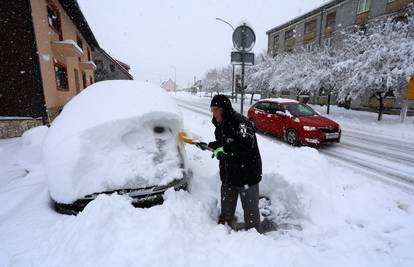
[
  {"x": 222, "y": 20},
  {"x": 232, "y": 78}
]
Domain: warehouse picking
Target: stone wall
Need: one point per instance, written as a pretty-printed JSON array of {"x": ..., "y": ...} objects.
[{"x": 15, "y": 127}]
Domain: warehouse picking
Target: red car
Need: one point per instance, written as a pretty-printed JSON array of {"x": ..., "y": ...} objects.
[{"x": 297, "y": 123}]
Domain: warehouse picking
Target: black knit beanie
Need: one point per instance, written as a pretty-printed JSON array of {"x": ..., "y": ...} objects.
[{"x": 221, "y": 101}]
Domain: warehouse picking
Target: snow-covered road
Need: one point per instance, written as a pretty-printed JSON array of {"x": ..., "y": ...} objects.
[
  {"x": 385, "y": 158},
  {"x": 346, "y": 219}
]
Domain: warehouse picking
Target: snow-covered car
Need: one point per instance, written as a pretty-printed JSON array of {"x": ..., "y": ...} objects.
[{"x": 115, "y": 136}]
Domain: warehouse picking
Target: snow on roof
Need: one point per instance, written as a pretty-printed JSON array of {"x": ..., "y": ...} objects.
[{"x": 280, "y": 100}]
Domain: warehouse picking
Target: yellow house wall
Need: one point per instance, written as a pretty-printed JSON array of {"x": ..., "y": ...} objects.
[{"x": 45, "y": 35}]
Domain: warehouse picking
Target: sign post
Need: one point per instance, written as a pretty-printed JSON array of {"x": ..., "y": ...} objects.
[{"x": 244, "y": 39}]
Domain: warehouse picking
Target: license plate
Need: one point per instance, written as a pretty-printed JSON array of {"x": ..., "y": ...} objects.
[{"x": 331, "y": 135}]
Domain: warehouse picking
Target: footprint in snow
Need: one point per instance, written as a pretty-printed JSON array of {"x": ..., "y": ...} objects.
[
  {"x": 355, "y": 223},
  {"x": 392, "y": 228},
  {"x": 402, "y": 206}
]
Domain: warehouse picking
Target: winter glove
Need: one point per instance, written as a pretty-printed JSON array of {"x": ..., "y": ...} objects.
[
  {"x": 202, "y": 145},
  {"x": 218, "y": 153},
  {"x": 214, "y": 145}
]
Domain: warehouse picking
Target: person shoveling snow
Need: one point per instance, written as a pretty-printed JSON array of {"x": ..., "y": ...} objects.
[{"x": 240, "y": 163}]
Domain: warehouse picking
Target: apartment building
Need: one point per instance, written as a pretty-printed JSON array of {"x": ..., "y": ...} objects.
[
  {"x": 46, "y": 55},
  {"x": 320, "y": 27}
]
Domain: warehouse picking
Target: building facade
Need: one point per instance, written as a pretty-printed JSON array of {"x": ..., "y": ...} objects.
[
  {"x": 169, "y": 85},
  {"x": 320, "y": 27},
  {"x": 46, "y": 54},
  {"x": 109, "y": 68}
]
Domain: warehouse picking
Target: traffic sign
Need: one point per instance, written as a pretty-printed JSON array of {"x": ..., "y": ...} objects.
[
  {"x": 244, "y": 38},
  {"x": 237, "y": 58}
]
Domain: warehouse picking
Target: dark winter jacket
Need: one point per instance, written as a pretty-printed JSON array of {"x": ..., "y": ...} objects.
[{"x": 242, "y": 164}]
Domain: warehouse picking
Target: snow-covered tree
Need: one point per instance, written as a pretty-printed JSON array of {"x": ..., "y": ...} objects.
[
  {"x": 379, "y": 59},
  {"x": 217, "y": 80},
  {"x": 295, "y": 72},
  {"x": 329, "y": 74},
  {"x": 258, "y": 76}
]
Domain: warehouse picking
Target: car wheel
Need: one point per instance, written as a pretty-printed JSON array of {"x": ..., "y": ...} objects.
[{"x": 292, "y": 137}]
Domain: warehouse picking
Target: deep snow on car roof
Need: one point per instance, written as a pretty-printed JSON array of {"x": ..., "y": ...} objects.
[
  {"x": 104, "y": 139},
  {"x": 109, "y": 101},
  {"x": 279, "y": 100}
]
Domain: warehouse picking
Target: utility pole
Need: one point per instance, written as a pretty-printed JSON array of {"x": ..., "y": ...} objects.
[
  {"x": 242, "y": 74},
  {"x": 232, "y": 83}
]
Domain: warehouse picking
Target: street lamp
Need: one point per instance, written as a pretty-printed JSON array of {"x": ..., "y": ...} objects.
[
  {"x": 232, "y": 78},
  {"x": 222, "y": 20}
]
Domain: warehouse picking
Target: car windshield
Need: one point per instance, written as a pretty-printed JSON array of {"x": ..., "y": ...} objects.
[{"x": 300, "y": 110}]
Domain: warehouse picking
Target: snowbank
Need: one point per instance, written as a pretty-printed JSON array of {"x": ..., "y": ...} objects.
[
  {"x": 104, "y": 139},
  {"x": 347, "y": 219},
  {"x": 354, "y": 121},
  {"x": 32, "y": 143}
]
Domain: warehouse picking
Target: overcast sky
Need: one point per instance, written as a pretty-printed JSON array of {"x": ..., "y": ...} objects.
[{"x": 157, "y": 37}]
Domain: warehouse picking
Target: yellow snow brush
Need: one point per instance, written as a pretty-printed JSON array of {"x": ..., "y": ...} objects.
[{"x": 183, "y": 137}]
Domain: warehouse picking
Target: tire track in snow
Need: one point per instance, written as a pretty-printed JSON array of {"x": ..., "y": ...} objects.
[
  {"x": 395, "y": 145},
  {"x": 376, "y": 152},
  {"x": 394, "y": 152}
]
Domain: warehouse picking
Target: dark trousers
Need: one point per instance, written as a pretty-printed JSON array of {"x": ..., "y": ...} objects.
[{"x": 249, "y": 197}]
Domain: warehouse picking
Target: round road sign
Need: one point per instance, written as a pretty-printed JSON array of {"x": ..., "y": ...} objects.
[{"x": 244, "y": 38}]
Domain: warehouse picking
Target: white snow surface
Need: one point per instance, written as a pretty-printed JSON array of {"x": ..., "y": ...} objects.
[
  {"x": 280, "y": 100},
  {"x": 347, "y": 219},
  {"x": 104, "y": 140}
]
